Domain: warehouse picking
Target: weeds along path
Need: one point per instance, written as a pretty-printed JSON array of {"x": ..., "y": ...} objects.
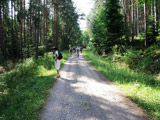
[{"x": 82, "y": 94}]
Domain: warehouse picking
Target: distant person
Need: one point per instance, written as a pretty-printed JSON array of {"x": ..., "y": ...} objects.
[
  {"x": 81, "y": 49},
  {"x": 74, "y": 50},
  {"x": 57, "y": 61},
  {"x": 77, "y": 51},
  {"x": 70, "y": 51}
]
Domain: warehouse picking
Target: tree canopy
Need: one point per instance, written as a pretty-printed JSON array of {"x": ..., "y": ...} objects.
[{"x": 31, "y": 27}]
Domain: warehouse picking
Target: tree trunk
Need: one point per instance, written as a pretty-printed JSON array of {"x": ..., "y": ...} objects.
[
  {"x": 56, "y": 22},
  {"x": 137, "y": 20},
  {"x": 156, "y": 15},
  {"x": 45, "y": 24},
  {"x": 30, "y": 29},
  {"x": 21, "y": 29},
  {"x": 24, "y": 25},
  {"x": 12, "y": 34},
  {"x": 4, "y": 34},
  {"x": 1, "y": 41},
  {"x": 145, "y": 24},
  {"x": 38, "y": 26},
  {"x": 16, "y": 33},
  {"x": 35, "y": 35},
  {"x": 40, "y": 37},
  {"x": 132, "y": 20}
]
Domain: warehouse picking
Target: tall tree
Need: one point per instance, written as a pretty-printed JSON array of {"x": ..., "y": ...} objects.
[
  {"x": 56, "y": 19},
  {"x": 114, "y": 22}
]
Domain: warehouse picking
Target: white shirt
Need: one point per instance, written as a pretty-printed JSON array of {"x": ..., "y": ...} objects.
[
  {"x": 77, "y": 49},
  {"x": 55, "y": 54}
]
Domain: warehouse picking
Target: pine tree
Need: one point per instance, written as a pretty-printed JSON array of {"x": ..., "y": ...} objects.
[{"x": 114, "y": 23}]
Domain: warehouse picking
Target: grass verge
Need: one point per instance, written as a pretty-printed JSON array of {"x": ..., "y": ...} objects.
[
  {"x": 141, "y": 88},
  {"x": 23, "y": 90}
]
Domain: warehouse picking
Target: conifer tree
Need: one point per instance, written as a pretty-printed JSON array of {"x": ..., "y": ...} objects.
[{"x": 114, "y": 23}]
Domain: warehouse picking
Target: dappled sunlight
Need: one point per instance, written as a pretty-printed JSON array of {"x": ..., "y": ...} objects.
[
  {"x": 141, "y": 88},
  {"x": 95, "y": 88},
  {"x": 23, "y": 90},
  {"x": 47, "y": 73},
  {"x": 81, "y": 94}
]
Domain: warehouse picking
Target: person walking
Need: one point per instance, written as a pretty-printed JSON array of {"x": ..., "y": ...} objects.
[
  {"x": 70, "y": 50},
  {"x": 57, "y": 61},
  {"x": 81, "y": 49},
  {"x": 77, "y": 50}
]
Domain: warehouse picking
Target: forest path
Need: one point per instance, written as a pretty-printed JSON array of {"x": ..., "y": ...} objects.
[{"x": 82, "y": 93}]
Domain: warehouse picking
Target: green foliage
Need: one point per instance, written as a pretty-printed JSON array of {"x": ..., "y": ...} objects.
[
  {"x": 147, "y": 61},
  {"x": 132, "y": 58},
  {"x": 90, "y": 46},
  {"x": 143, "y": 89},
  {"x": 117, "y": 54},
  {"x": 85, "y": 37},
  {"x": 69, "y": 32},
  {"x": 13, "y": 85},
  {"x": 151, "y": 33},
  {"x": 151, "y": 62},
  {"x": 29, "y": 51},
  {"x": 99, "y": 32},
  {"x": 114, "y": 23},
  {"x": 23, "y": 90},
  {"x": 42, "y": 50},
  {"x": 24, "y": 32},
  {"x": 138, "y": 42},
  {"x": 107, "y": 27}
]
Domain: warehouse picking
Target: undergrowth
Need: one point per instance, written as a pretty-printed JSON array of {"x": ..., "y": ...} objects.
[{"x": 23, "y": 90}]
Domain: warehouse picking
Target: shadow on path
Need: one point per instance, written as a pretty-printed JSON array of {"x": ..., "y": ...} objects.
[{"x": 81, "y": 94}]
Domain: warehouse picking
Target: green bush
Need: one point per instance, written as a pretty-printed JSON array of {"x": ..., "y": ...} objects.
[
  {"x": 24, "y": 89},
  {"x": 151, "y": 61},
  {"x": 90, "y": 46},
  {"x": 151, "y": 32},
  {"x": 147, "y": 61},
  {"x": 42, "y": 50},
  {"x": 132, "y": 58},
  {"x": 117, "y": 54},
  {"x": 12, "y": 79}
]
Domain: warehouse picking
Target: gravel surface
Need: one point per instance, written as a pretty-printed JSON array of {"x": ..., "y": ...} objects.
[{"x": 82, "y": 93}]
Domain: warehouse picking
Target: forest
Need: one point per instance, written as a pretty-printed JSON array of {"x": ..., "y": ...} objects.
[
  {"x": 124, "y": 36},
  {"x": 122, "y": 40},
  {"x": 32, "y": 27},
  {"x": 128, "y": 30},
  {"x": 28, "y": 31}
]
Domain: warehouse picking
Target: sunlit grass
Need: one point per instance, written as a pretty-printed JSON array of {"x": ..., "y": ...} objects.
[
  {"x": 23, "y": 90},
  {"x": 143, "y": 89}
]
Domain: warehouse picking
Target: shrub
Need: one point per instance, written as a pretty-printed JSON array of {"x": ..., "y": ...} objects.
[
  {"x": 41, "y": 50},
  {"x": 132, "y": 58},
  {"x": 147, "y": 61},
  {"x": 90, "y": 46},
  {"x": 152, "y": 60}
]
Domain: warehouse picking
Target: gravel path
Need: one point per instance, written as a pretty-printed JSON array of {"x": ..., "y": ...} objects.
[{"x": 82, "y": 94}]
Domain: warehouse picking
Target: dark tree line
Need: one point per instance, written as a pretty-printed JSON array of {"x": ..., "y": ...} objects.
[
  {"x": 31, "y": 27},
  {"x": 124, "y": 23},
  {"x": 139, "y": 15}
]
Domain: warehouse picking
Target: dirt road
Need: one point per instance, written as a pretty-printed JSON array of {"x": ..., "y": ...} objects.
[{"x": 82, "y": 94}]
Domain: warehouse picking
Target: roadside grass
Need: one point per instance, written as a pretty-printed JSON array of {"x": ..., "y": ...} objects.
[
  {"x": 24, "y": 90},
  {"x": 141, "y": 88}
]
